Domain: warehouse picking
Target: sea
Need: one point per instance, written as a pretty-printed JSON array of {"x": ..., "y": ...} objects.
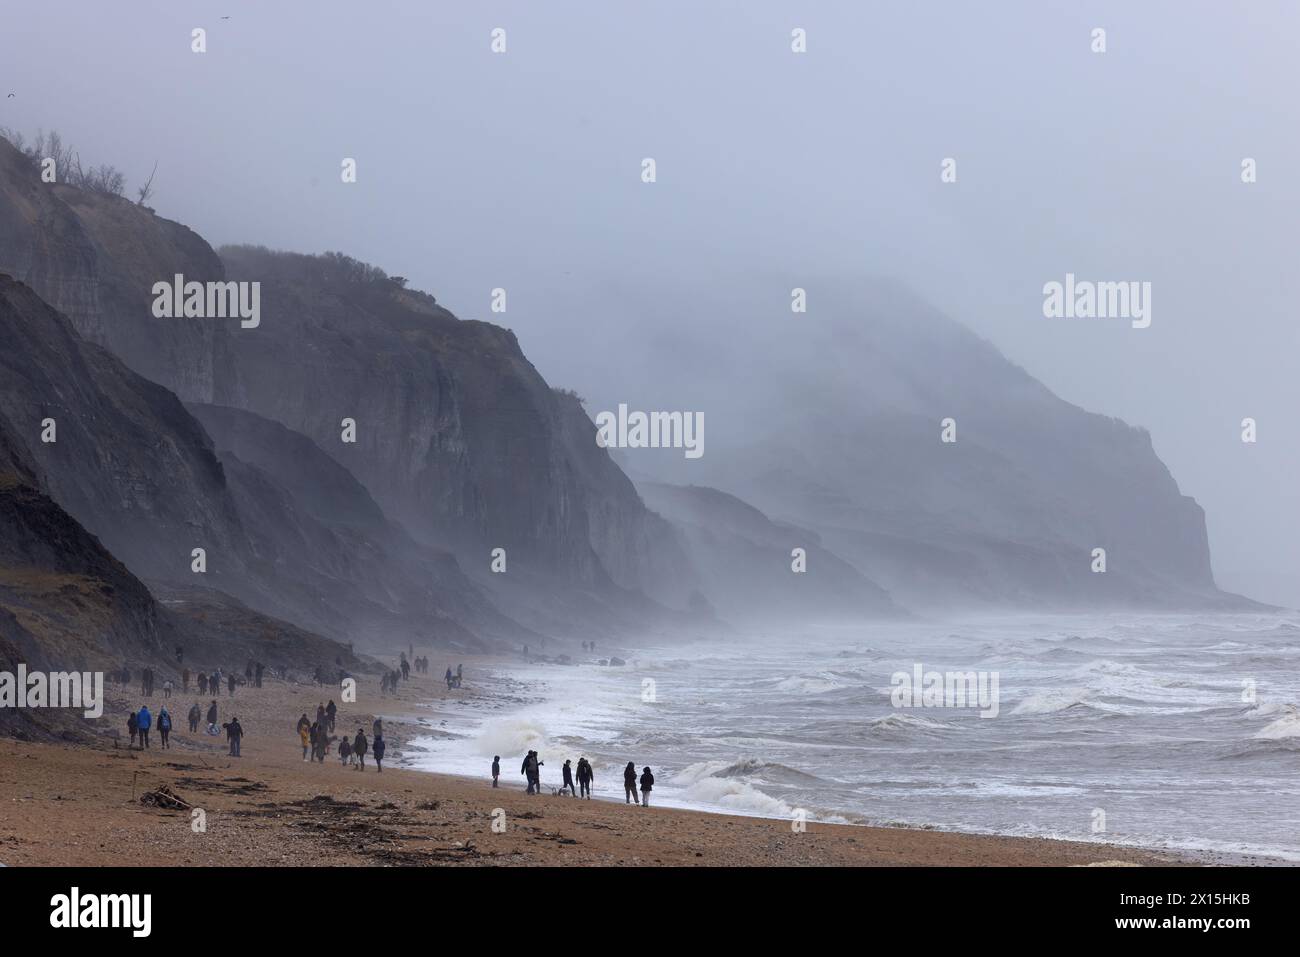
[{"x": 1175, "y": 732}]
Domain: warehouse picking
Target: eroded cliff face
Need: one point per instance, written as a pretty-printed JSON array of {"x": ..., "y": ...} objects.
[
  {"x": 457, "y": 435},
  {"x": 132, "y": 464},
  {"x": 95, "y": 259}
]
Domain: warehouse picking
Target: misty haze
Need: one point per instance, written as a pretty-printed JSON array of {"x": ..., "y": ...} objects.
[{"x": 802, "y": 423}]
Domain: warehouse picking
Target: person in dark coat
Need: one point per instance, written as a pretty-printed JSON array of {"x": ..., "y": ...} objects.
[
  {"x": 133, "y": 725},
  {"x": 212, "y": 714},
  {"x": 496, "y": 769},
  {"x": 203, "y": 683},
  {"x": 567, "y": 772},
  {"x": 196, "y": 713},
  {"x": 629, "y": 784},
  {"x": 230, "y": 683},
  {"x": 234, "y": 732},
  {"x": 647, "y": 784},
  {"x": 585, "y": 777},
  {"x": 378, "y": 748},
  {"x": 359, "y": 747},
  {"x": 331, "y": 712},
  {"x": 164, "y": 726}
]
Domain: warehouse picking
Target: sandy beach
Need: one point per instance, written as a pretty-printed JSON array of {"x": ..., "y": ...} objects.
[{"x": 63, "y": 804}]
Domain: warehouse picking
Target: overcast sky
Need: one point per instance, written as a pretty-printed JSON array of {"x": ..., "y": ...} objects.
[{"x": 522, "y": 170}]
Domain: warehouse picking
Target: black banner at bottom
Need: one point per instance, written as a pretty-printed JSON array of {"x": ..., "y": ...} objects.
[{"x": 336, "y": 905}]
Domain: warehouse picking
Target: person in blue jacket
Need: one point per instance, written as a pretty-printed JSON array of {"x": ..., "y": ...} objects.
[
  {"x": 164, "y": 725},
  {"x": 145, "y": 721}
]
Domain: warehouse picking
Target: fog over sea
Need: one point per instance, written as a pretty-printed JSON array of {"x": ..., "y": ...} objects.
[{"x": 1140, "y": 717}]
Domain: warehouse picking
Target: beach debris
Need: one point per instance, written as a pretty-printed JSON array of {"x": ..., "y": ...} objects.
[{"x": 164, "y": 797}]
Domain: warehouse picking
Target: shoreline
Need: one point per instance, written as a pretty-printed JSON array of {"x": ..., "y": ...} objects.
[{"x": 79, "y": 805}]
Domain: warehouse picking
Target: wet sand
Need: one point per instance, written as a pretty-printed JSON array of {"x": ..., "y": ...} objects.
[{"x": 75, "y": 805}]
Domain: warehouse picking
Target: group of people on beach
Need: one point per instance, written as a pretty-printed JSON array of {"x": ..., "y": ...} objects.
[
  {"x": 531, "y": 769},
  {"x": 140, "y": 723},
  {"x": 317, "y": 736}
]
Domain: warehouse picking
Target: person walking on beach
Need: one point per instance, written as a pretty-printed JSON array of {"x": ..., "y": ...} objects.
[
  {"x": 330, "y": 712},
  {"x": 230, "y": 683},
  {"x": 195, "y": 714},
  {"x": 203, "y": 683},
  {"x": 377, "y": 729},
  {"x": 585, "y": 777},
  {"x": 234, "y": 732},
  {"x": 647, "y": 784},
  {"x": 359, "y": 749},
  {"x": 212, "y": 717},
  {"x": 629, "y": 784},
  {"x": 302, "y": 723},
  {"x": 496, "y": 769},
  {"x": 320, "y": 714},
  {"x": 164, "y": 725},
  {"x": 133, "y": 725},
  {"x": 449, "y": 677},
  {"x": 345, "y": 751},
  {"x": 304, "y": 735},
  {"x": 145, "y": 720},
  {"x": 167, "y": 688},
  {"x": 378, "y": 749},
  {"x": 567, "y": 771}
]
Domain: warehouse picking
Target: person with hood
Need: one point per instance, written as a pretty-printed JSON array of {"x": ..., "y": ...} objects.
[
  {"x": 164, "y": 725},
  {"x": 359, "y": 746},
  {"x": 525, "y": 768},
  {"x": 345, "y": 751},
  {"x": 567, "y": 771},
  {"x": 302, "y": 723},
  {"x": 647, "y": 784},
  {"x": 629, "y": 784},
  {"x": 196, "y": 713},
  {"x": 212, "y": 717},
  {"x": 145, "y": 720},
  {"x": 496, "y": 769},
  {"x": 133, "y": 725},
  {"x": 230, "y": 683},
  {"x": 331, "y": 712},
  {"x": 378, "y": 749},
  {"x": 234, "y": 732},
  {"x": 304, "y": 735},
  {"x": 585, "y": 777}
]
